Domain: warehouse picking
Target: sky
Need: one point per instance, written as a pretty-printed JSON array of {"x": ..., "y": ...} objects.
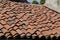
[{"x": 32, "y": 0}]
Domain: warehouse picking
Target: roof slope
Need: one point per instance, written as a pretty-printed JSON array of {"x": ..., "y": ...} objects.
[{"x": 30, "y": 20}]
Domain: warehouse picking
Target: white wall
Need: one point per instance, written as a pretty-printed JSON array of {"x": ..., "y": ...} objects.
[{"x": 53, "y": 4}]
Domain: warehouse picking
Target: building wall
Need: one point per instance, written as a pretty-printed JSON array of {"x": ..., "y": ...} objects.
[{"x": 53, "y": 4}]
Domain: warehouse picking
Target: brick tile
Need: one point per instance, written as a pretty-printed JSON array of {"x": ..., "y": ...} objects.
[
  {"x": 1, "y": 15},
  {"x": 13, "y": 18},
  {"x": 20, "y": 15},
  {"x": 31, "y": 27},
  {"x": 15, "y": 27},
  {"x": 34, "y": 35},
  {"x": 1, "y": 26},
  {"x": 22, "y": 35},
  {"x": 58, "y": 30},
  {"x": 26, "y": 16},
  {"x": 2, "y": 21},
  {"x": 8, "y": 12},
  {"x": 19, "y": 31},
  {"x": 11, "y": 15},
  {"x": 30, "y": 31},
  {"x": 26, "y": 23},
  {"x": 40, "y": 35},
  {"x": 1, "y": 34},
  {"x": 7, "y": 16},
  {"x": 4, "y": 30},
  {"x": 13, "y": 33},
  {"x": 3, "y": 11},
  {"x": 28, "y": 34},
  {"x": 7, "y": 35},
  {"x": 7, "y": 26},
  {"x": 33, "y": 30},
  {"x": 12, "y": 25},
  {"x": 20, "y": 27},
  {"x": 23, "y": 30},
  {"x": 11, "y": 4},
  {"x": 38, "y": 32}
]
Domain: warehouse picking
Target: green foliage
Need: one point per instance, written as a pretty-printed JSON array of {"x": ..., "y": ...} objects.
[
  {"x": 42, "y": 1},
  {"x": 35, "y": 2}
]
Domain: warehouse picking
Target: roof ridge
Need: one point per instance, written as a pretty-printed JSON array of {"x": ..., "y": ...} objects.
[{"x": 37, "y": 5}]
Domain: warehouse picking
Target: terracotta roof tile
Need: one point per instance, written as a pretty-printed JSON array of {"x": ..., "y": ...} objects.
[
  {"x": 1, "y": 33},
  {"x": 14, "y": 33},
  {"x": 30, "y": 20},
  {"x": 1, "y": 26},
  {"x": 7, "y": 26}
]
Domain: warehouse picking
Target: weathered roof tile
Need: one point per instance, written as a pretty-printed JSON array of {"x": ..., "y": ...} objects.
[{"x": 30, "y": 20}]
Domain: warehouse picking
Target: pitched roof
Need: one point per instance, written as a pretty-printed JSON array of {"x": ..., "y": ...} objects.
[{"x": 26, "y": 19}]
